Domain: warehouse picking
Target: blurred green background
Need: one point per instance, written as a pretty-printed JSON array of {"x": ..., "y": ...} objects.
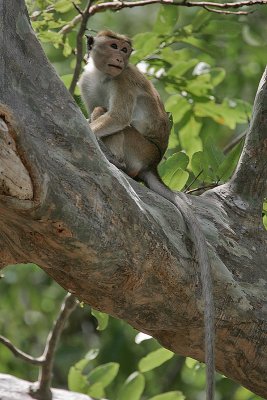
[{"x": 206, "y": 67}]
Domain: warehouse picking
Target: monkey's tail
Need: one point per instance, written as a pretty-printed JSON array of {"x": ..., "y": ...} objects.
[{"x": 153, "y": 181}]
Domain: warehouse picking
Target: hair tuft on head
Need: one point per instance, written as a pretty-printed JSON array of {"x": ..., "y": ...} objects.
[{"x": 114, "y": 35}]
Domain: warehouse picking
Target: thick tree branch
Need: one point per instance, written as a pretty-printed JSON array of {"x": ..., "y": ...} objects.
[
  {"x": 248, "y": 186},
  {"x": 113, "y": 243},
  {"x": 250, "y": 178}
]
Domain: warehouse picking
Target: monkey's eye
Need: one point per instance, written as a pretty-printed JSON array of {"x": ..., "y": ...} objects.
[
  {"x": 114, "y": 46},
  {"x": 124, "y": 49}
]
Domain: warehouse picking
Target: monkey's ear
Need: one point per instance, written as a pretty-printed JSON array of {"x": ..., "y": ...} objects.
[{"x": 90, "y": 42}]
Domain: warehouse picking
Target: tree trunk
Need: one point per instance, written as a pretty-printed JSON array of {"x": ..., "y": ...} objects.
[{"x": 112, "y": 242}]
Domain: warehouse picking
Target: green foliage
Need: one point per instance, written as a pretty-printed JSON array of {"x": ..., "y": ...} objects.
[
  {"x": 169, "y": 396},
  {"x": 190, "y": 79},
  {"x": 102, "y": 319},
  {"x": 133, "y": 387},
  {"x": 94, "y": 382},
  {"x": 154, "y": 359},
  {"x": 195, "y": 59}
]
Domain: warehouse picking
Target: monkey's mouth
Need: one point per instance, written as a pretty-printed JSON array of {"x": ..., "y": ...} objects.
[{"x": 115, "y": 66}]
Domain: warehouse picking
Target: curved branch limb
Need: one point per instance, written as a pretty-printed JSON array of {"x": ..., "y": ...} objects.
[{"x": 20, "y": 354}]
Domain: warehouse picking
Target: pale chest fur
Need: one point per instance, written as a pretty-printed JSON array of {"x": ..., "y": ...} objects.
[{"x": 94, "y": 87}]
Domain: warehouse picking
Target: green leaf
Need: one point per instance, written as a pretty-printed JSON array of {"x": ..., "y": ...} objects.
[
  {"x": 76, "y": 379},
  {"x": 173, "y": 171},
  {"x": 67, "y": 48},
  {"x": 222, "y": 27},
  {"x": 229, "y": 113},
  {"x": 181, "y": 67},
  {"x": 226, "y": 168},
  {"x": 63, "y": 6},
  {"x": 200, "y": 44},
  {"x": 217, "y": 76},
  {"x": 169, "y": 396},
  {"x": 191, "y": 363},
  {"x": 199, "y": 164},
  {"x": 50, "y": 37},
  {"x": 201, "y": 85},
  {"x": 144, "y": 45},
  {"x": 103, "y": 374},
  {"x": 201, "y": 19},
  {"x": 96, "y": 390},
  {"x": 132, "y": 388},
  {"x": 102, "y": 319},
  {"x": 92, "y": 354},
  {"x": 166, "y": 19},
  {"x": 178, "y": 106},
  {"x": 154, "y": 359},
  {"x": 214, "y": 155},
  {"x": 189, "y": 135}
]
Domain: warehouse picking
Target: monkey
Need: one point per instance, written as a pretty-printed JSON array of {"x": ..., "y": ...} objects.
[{"x": 133, "y": 128}]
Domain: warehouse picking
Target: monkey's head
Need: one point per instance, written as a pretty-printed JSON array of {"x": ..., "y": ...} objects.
[{"x": 110, "y": 52}]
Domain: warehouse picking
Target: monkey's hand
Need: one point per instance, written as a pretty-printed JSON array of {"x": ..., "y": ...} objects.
[{"x": 98, "y": 111}]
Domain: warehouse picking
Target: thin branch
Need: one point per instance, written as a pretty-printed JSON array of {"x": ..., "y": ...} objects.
[
  {"x": 42, "y": 389},
  {"x": 211, "y": 186},
  {"x": 20, "y": 354},
  {"x": 79, "y": 46},
  {"x": 226, "y": 150},
  {"x": 77, "y": 8},
  {"x": 118, "y": 5},
  {"x": 226, "y": 12},
  {"x": 234, "y": 142}
]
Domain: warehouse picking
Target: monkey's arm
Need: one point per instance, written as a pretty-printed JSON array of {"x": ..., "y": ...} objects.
[{"x": 118, "y": 116}]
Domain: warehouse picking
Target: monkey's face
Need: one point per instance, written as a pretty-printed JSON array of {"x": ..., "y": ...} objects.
[{"x": 111, "y": 55}]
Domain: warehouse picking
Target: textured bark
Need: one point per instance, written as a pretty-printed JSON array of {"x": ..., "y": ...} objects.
[{"x": 115, "y": 244}]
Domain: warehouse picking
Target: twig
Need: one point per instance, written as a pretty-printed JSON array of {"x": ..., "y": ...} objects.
[
  {"x": 193, "y": 181},
  {"x": 20, "y": 354},
  {"x": 234, "y": 142},
  {"x": 85, "y": 15},
  {"x": 118, "y": 5},
  {"x": 41, "y": 389},
  {"x": 227, "y": 12},
  {"x": 210, "y": 186},
  {"x": 77, "y": 8}
]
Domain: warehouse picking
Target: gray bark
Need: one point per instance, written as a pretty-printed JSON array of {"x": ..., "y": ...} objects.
[
  {"x": 113, "y": 243},
  {"x": 12, "y": 388}
]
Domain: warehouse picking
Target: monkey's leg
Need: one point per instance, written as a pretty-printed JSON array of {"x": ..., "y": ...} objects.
[
  {"x": 139, "y": 153},
  {"x": 97, "y": 112},
  {"x": 110, "y": 156}
]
